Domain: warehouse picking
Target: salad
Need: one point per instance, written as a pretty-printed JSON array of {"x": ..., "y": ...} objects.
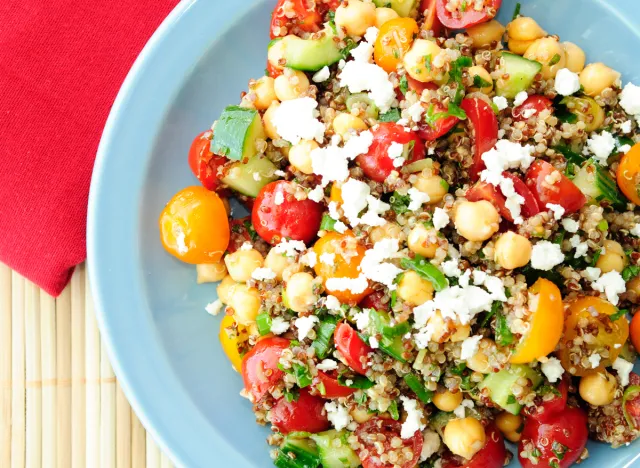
[{"x": 442, "y": 247}]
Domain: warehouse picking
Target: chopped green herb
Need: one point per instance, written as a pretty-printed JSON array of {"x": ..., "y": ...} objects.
[
  {"x": 416, "y": 385},
  {"x": 427, "y": 61},
  {"x": 511, "y": 400},
  {"x": 603, "y": 225},
  {"x": 618, "y": 314},
  {"x": 327, "y": 223},
  {"x": 358, "y": 381},
  {"x": 463, "y": 6},
  {"x": 404, "y": 84},
  {"x": 516, "y": 12},
  {"x": 263, "y": 320},
  {"x": 394, "y": 298},
  {"x": 630, "y": 272},
  {"x": 324, "y": 337},
  {"x": 504, "y": 337},
  {"x": 554, "y": 60},
  {"x": 360, "y": 397},
  {"x": 545, "y": 389},
  {"x": 559, "y": 237},
  {"x": 392, "y": 115},
  {"x": 444, "y": 184},
  {"x": 292, "y": 395},
  {"x": 252, "y": 232},
  {"x": 495, "y": 308},
  {"x": 595, "y": 258},
  {"x": 479, "y": 82},
  {"x": 459, "y": 369},
  {"x": 426, "y": 270},
  {"x": 399, "y": 203},
  {"x": 455, "y": 76},
  {"x": 393, "y": 410},
  {"x": 350, "y": 45},
  {"x": 302, "y": 375}
]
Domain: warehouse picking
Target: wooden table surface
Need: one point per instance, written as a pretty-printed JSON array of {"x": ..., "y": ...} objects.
[{"x": 60, "y": 403}]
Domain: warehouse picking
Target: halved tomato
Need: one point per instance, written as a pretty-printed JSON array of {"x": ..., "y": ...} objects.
[
  {"x": 465, "y": 14},
  {"x": 549, "y": 185},
  {"x": 484, "y": 123},
  {"x": 486, "y": 191}
]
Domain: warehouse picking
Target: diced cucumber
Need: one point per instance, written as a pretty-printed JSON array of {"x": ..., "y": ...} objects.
[
  {"x": 332, "y": 454},
  {"x": 499, "y": 385},
  {"x": 297, "y": 452},
  {"x": 391, "y": 342},
  {"x": 520, "y": 73},
  {"x": 249, "y": 178},
  {"x": 236, "y": 132},
  {"x": 364, "y": 102},
  {"x": 595, "y": 183},
  {"x": 404, "y": 8},
  {"x": 311, "y": 54}
]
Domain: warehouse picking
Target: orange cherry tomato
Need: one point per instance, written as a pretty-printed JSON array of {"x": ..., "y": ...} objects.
[
  {"x": 394, "y": 40},
  {"x": 545, "y": 327},
  {"x": 231, "y": 335},
  {"x": 590, "y": 316},
  {"x": 194, "y": 226},
  {"x": 336, "y": 193},
  {"x": 346, "y": 264},
  {"x": 634, "y": 331},
  {"x": 629, "y": 174}
]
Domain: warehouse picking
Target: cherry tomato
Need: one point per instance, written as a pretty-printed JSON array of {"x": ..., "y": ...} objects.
[
  {"x": 486, "y": 191},
  {"x": 231, "y": 334},
  {"x": 369, "y": 436},
  {"x": 203, "y": 162},
  {"x": 430, "y": 21},
  {"x": 591, "y": 315},
  {"x": 417, "y": 86},
  {"x": 492, "y": 455},
  {"x": 272, "y": 71},
  {"x": 194, "y": 226},
  {"x": 304, "y": 18},
  {"x": 260, "y": 366},
  {"x": 631, "y": 401},
  {"x": 466, "y": 15},
  {"x": 439, "y": 127},
  {"x": 535, "y": 103},
  {"x": 560, "y": 439},
  {"x": 484, "y": 123},
  {"x": 634, "y": 330},
  {"x": 562, "y": 192},
  {"x": 305, "y": 414},
  {"x": 545, "y": 325},
  {"x": 278, "y": 215},
  {"x": 346, "y": 264},
  {"x": 329, "y": 387},
  {"x": 377, "y": 164},
  {"x": 374, "y": 301},
  {"x": 628, "y": 174},
  {"x": 353, "y": 349},
  {"x": 550, "y": 408},
  {"x": 240, "y": 233},
  {"x": 394, "y": 40}
]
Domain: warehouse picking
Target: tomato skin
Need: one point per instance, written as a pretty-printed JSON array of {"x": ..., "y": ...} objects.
[
  {"x": 306, "y": 414},
  {"x": 203, "y": 163},
  {"x": 634, "y": 330},
  {"x": 550, "y": 408},
  {"x": 632, "y": 405},
  {"x": 374, "y": 301},
  {"x": 262, "y": 357},
  {"x": 293, "y": 219},
  {"x": 568, "y": 428},
  {"x": 377, "y": 164},
  {"x": 563, "y": 193},
  {"x": 440, "y": 126},
  {"x": 492, "y": 455},
  {"x": 486, "y": 191},
  {"x": 272, "y": 71},
  {"x": 352, "y": 348},
  {"x": 484, "y": 123},
  {"x": 628, "y": 175},
  {"x": 534, "y": 102},
  {"x": 394, "y": 40},
  {"x": 332, "y": 388},
  {"x": 305, "y": 19},
  {"x": 467, "y": 18},
  {"x": 390, "y": 429},
  {"x": 431, "y": 22}
]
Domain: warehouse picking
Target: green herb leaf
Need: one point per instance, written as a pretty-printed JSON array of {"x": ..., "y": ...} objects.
[
  {"x": 302, "y": 375},
  {"x": 495, "y": 308},
  {"x": 324, "y": 337},
  {"x": 427, "y": 61},
  {"x": 504, "y": 337},
  {"x": 404, "y": 84},
  {"x": 252, "y": 232},
  {"x": 555, "y": 59},
  {"x": 327, "y": 223},
  {"x": 463, "y": 6},
  {"x": 595, "y": 258},
  {"x": 416, "y": 385},
  {"x": 358, "y": 381},
  {"x": 394, "y": 298},
  {"x": 459, "y": 369},
  {"x": 393, "y": 410},
  {"x": 392, "y": 115},
  {"x": 479, "y": 82},
  {"x": 292, "y": 395},
  {"x": 603, "y": 225},
  {"x": 516, "y": 12},
  {"x": 346, "y": 50},
  {"x": 427, "y": 271},
  {"x": 630, "y": 272},
  {"x": 455, "y": 76},
  {"x": 618, "y": 314},
  {"x": 399, "y": 203},
  {"x": 263, "y": 320}
]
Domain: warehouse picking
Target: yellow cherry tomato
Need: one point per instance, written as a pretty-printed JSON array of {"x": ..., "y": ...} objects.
[
  {"x": 194, "y": 226},
  {"x": 336, "y": 193},
  {"x": 348, "y": 254},
  {"x": 545, "y": 326},
  {"x": 629, "y": 174},
  {"x": 394, "y": 40},
  {"x": 589, "y": 330},
  {"x": 230, "y": 337}
]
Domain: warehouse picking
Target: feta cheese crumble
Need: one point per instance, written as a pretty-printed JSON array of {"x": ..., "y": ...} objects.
[
  {"x": 327, "y": 365},
  {"x": 570, "y": 225},
  {"x": 630, "y": 99},
  {"x": 552, "y": 369},
  {"x": 440, "y": 218},
  {"x": 328, "y": 259},
  {"x": 279, "y": 198},
  {"x": 290, "y": 247},
  {"x": 470, "y": 347},
  {"x": 520, "y": 98},
  {"x": 215, "y": 307},
  {"x": 501, "y": 102},
  {"x": 623, "y": 368},
  {"x": 359, "y": 75},
  {"x": 592, "y": 273},
  {"x": 635, "y": 231},
  {"x": 625, "y": 127},
  {"x": 413, "y": 423},
  {"x": 337, "y": 414},
  {"x": 395, "y": 152},
  {"x": 417, "y": 198},
  {"x": 612, "y": 284},
  {"x": 545, "y": 255},
  {"x": 332, "y": 303},
  {"x": 557, "y": 210},
  {"x": 279, "y": 325},
  {"x": 297, "y": 119},
  {"x": 322, "y": 75},
  {"x": 332, "y": 162},
  {"x": 305, "y": 325},
  {"x": 430, "y": 445},
  {"x": 581, "y": 247},
  {"x": 567, "y": 82},
  {"x": 263, "y": 273},
  {"x": 601, "y": 146},
  {"x": 594, "y": 360}
]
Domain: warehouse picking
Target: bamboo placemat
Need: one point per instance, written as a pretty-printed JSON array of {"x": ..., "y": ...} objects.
[{"x": 60, "y": 403}]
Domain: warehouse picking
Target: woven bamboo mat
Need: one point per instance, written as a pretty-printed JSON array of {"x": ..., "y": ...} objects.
[{"x": 60, "y": 403}]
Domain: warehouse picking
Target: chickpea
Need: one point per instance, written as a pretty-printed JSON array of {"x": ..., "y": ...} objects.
[
  {"x": 447, "y": 401},
  {"x": 518, "y": 47},
  {"x": 291, "y": 84},
  {"x": 464, "y": 437},
  {"x": 386, "y": 231},
  {"x": 361, "y": 415},
  {"x": 345, "y": 124},
  {"x": 613, "y": 257},
  {"x": 433, "y": 185},
  {"x": 461, "y": 333},
  {"x": 264, "y": 91},
  {"x": 439, "y": 326},
  {"x": 245, "y": 302},
  {"x": 510, "y": 425},
  {"x": 275, "y": 54},
  {"x": 414, "y": 60},
  {"x": 277, "y": 262},
  {"x": 633, "y": 286},
  {"x": 480, "y": 361},
  {"x": 525, "y": 28},
  {"x": 385, "y": 14},
  {"x": 549, "y": 53},
  {"x": 225, "y": 289},
  {"x": 423, "y": 241},
  {"x": 483, "y": 74},
  {"x": 598, "y": 388},
  {"x": 512, "y": 250},
  {"x": 356, "y": 17},
  {"x": 477, "y": 221},
  {"x": 596, "y": 77},
  {"x": 267, "y": 120},
  {"x": 300, "y": 155},
  {"x": 414, "y": 290},
  {"x": 241, "y": 264},
  {"x": 486, "y": 34},
  {"x": 301, "y": 293},
  {"x": 210, "y": 272},
  {"x": 575, "y": 57}
]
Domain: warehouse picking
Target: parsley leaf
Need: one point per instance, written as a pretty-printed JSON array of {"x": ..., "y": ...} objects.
[
  {"x": 630, "y": 272},
  {"x": 327, "y": 223},
  {"x": 555, "y": 59},
  {"x": 404, "y": 84},
  {"x": 618, "y": 314},
  {"x": 399, "y": 203},
  {"x": 479, "y": 82},
  {"x": 426, "y": 270},
  {"x": 392, "y": 115}
]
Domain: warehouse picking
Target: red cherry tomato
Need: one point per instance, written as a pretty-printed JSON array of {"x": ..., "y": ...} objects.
[
  {"x": 332, "y": 388},
  {"x": 484, "y": 124},
  {"x": 203, "y": 162},
  {"x": 563, "y": 434},
  {"x": 369, "y": 453},
  {"x": 550, "y": 408},
  {"x": 486, "y": 191},
  {"x": 632, "y": 405},
  {"x": 374, "y": 301},
  {"x": 377, "y": 164},
  {"x": 440, "y": 126},
  {"x": 278, "y": 215},
  {"x": 304, "y": 18},
  {"x": 417, "y": 86},
  {"x": 562, "y": 191},
  {"x": 431, "y": 20},
  {"x": 535, "y": 103},
  {"x": 260, "y": 366},
  {"x": 492, "y": 455},
  {"x": 352, "y": 348},
  {"x": 272, "y": 71},
  {"x": 304, "y": 414},
  {"x": 470, "y": 16}
]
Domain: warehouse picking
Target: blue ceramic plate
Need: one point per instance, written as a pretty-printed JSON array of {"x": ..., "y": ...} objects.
[{"x": 162, "y": 344}]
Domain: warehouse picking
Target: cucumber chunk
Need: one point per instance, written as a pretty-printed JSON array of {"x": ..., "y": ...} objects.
[
  {"x": 297, "y": 452},
  {"x": 520, "y": 72},
  {"x": 332, "y": 454},
  {"x": 404, "y": 8},
  {"x": 391, "y": 341},
  {"x": 363, "y": 101},
  {"x": 311, "y": 54},
  {"x": 236, "y": 132},
  {"x": 499, "y": 385},
  {"x": 242, "y": 176},
  {"x": 595, "y": 183}
]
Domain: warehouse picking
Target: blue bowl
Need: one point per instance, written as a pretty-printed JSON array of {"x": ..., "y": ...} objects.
[{"x": 162, "y": 344}]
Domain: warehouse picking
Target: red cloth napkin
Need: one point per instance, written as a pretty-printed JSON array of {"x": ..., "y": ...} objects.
[{"x": 61, "y": 65}]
